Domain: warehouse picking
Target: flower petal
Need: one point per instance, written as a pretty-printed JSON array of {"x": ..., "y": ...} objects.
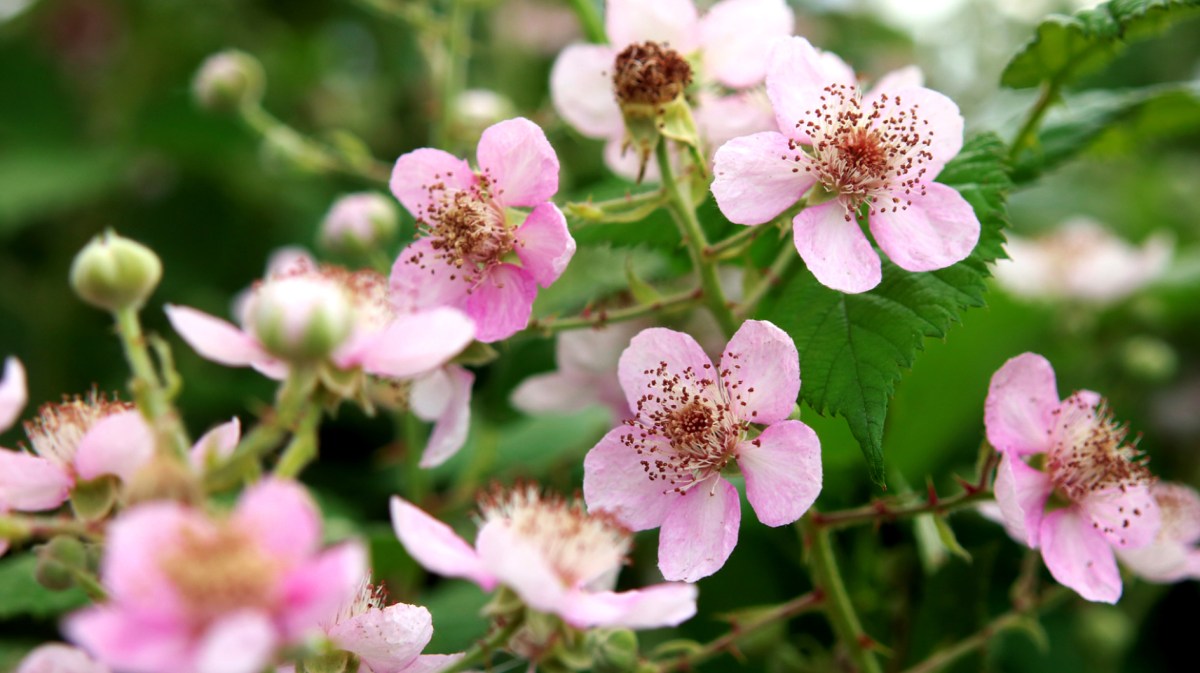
[
  {"x": 581, "y": 87},
  {"x": 452, "y": 386},
  {"x": 520, "y": 566},
  {"x": 215, "y": 339},
  {"x": 835, "y": 249},
  {"x": 1079, "y": 557},
  {"x": 906, "y": 77},
  {"x": 216, "y": 445},
  {"x": 421, "y": 178},
  {"x": 937, "y": 116},
  {"x": 935, "y": 230},
  {"x": 645, "y": 356},
  {"x": 797, "y": 75},
  {"x": 760, "y": 369},
  {"x": 783, "y": 471},
  {"x": 554, "y": 391},
  {"x": 673, "y": 22},
  {"x": 501, "y": 303},
  {"x": 282, "y": 518},
  {"x": 1021, "y": 403},
  {"x": 413, "y": 344},
  {"x": 31, "y": 483},
  {"x": 130, "y": 568},
  {"x": 314, "y": 591},
  {"x": 435, "y": 546},
  {"x": 13, "y": 394},
  {"x": 242, "y": 642},
  {"x": 544, "y": 244},
  {"x": 420, "y": 279},
  {"x": 126, "y": 643},
  {"x": 1021, "y": 493},
  {"x": 758, "y": 177},
  {"x": 736, "y": 36},
  {"x": 1127, "y": 516},
  {"x": 518, "y": 162},
  {"x": 118, "y": 444},
  {"x": 59, "y": 658},
  {"x": 668, "y": 604},
  {"x": 430, "y": 663},
  {"x": 385, "y": 639},
  {"x": 700, "y": 531},
  {"x": 615, "y": 481},
  {"x": 722, "y": 118}
]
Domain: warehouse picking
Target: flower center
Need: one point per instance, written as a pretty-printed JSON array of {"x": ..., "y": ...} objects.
[
  {"x": 1089, "y": 453},
  {"x": 650, "y": 74},
  {"x": 56, "y": 432},
  {"x": 865, "y": 152},
  {"x": 218, "y": 571},
  {"x": 581, "y": 547},
  {"x": 468, "y": 231},
  {"x": 689, "y": 411}
]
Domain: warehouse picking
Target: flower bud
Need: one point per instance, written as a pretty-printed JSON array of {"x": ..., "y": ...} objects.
[
  {"x": 612, "y": 650},
  {"x": 301, "y": 319},
  {"x": 57, "y": 562},
  {"x": 115, "y": 273},
  {"x": 477, "y": 109},
  {"x": 228, "y": 80},
  {"x": 359, "y": 223}
]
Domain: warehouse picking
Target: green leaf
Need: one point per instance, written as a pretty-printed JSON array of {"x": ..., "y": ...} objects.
[
  {"x": 23, "y": 596},
  {"x": 1065, "y": 47},
  {"x": 854, "y": 347},
  {"x": 1084, "y": 118}
]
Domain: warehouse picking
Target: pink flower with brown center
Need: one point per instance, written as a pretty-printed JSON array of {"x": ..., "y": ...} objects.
[{"x": 693, "y": 422}]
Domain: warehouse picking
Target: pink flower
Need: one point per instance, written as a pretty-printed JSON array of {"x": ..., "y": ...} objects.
[
  {"x": 693, "y": 419},
  {"x": 846, "y": 149},
  {"x": 1173, "y": 555},
  {"x": 443, "y": 397},
  {"x": 467, "y": 236},
  {"x": 192, "y": 594},
  {"x": 555, "y": 556},
  {"x": 728, "y": 45},
  {"x": 59, "y": 658},
  {"x": 1087, "y": 464},
  {"x": 359, "y": 222},
  {"x": 13, "y": 394}
]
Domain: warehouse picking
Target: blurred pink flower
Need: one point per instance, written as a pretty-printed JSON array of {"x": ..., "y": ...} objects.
[
  {"x": 359, "y": 222},
  {"x": 586, "y": 374},
  {"x": 192, "y": 594},
  {"x": 846, "y": 149},
  {"x": 466, "y": 234},
  {"x": 59, "y": 658},
  {"x": 1087, "y": 463},
  {"x": 1173, "y": 555},
  {"x": 556, "y": 557},
  {"x": 728, "y": 46},
  {"x": 664, "y": 467},
  {"x": 13, "y": 394}
]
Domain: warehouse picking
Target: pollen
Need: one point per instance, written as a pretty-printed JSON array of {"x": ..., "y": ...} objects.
[
  {"x": 468, "y": 231},
  {"x": 650, "y": 73},
  {"x": 58, "y": 429},
  {"x": 219, "y": 570}
]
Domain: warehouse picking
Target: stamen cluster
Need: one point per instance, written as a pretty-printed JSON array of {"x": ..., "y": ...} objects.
[
  {"x": 219, "y": 570},
  {"x": 650, "y": 73},
  {"x": 59, "y": 428},
  {"x": 1089, "y": 454}
]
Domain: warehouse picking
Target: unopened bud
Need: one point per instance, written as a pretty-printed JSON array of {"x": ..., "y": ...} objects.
[
  {"x": 358, "y": 223},
  {"x": 301, "y": 319},
  {"x": 228, "y": 80},
  {"x": 477, "y": 109},
  {"x": 612, "y": 650},
  {"x": 115, "y": 273},
  {"x": 57, "y": 562}
]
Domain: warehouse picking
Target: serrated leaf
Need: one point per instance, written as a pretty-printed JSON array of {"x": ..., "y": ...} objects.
[
  {"x": 23, "y": 596},
  {"x": 853, "y": 348},
  {"x": 1065, "y": 47},
  {"x": 1083, "y": 118}
]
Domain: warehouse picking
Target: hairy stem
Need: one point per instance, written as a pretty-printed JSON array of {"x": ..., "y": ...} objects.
[
  {"x": 302, "y": 450},
  {"x": 838, "y": 607},
  {"x": 601, "y": 317},
  {"x": 149, "y": 391}
]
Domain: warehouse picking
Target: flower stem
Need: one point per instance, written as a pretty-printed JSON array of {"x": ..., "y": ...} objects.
[
  {"x": 770, "y": 279},
  {"x": 302, "y": 450},
  {"x": 312, "y": 155},
  {"x": 589, "y": 18},
  {"x": 599, "y": 318},
  {"x": 1024, "y": 137},
  {"x": 732, "y": 244},
  {"x": 684, "y": 213},
  {"x": 149, "y": 391},
  {"x": 451, "y": 70},
  {"x": 485, "y": 647},
  {"x": 838, "y": 607}
]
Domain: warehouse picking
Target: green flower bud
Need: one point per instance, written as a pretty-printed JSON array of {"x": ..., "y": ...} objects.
[
  {"x": 613, "y": 650},
  {"x": 228, "y": 80},
  {"x": 115, "y": 273},
  {"x": 57, "y": 562},
  {"x": 301, "y": 319}
]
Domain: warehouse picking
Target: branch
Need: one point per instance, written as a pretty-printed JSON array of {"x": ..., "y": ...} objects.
[{"x": 602, "y": 317}]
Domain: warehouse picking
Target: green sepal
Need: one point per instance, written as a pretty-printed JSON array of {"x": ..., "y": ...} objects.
[{"x": 93, "y": 500}]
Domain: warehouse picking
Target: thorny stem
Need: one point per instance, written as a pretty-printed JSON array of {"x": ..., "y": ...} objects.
[
  {"x": 589, "y": 18},
  {"x": 838, "y": 607},
  {"x": 602, "y": 317},
  {"x": 149, "y": 392},
  {"x": 312, "y": 154},
  {"x": 684, "y": 213},
  {"x": 485, "y": 647},
  {"x": 726, "y": 642}
]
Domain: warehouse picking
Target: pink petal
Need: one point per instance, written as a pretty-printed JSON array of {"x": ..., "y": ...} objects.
[
  {"x": 544, "y": 244},
  {"x": 118, "y": 444},
  {"x": 906, "y": 77},
  {"x": 797, "y": 75},
  {"x": 1079, "y": 557},
  {"x": 581, "y": 87},
  {"x": 700, "y": 531},
  {"x": 555, "y": 391},
  {"x": 736, "y": 35},
  {"x": 430, "y": 663},
  {"x": 31, "y": 483},
  {"x": 625, "y": 162},
  {"x": 282, "y": 517},
  {"x": 422, "y": 177},
  {"x": 668, "y": 604},
  {"x": 835, "y": 249},
  {"x": 519, "y": 163},
  {"x": 314, "y": 591},
  {"x": 452, "y": 419},
  {"x": 501, "y": 303},
  {"x": 936, "y": 230},
  {"x": 520, "y": 566},
  {"x": 760, "y": 369},
  {"x": 943, "y": 130},
  {"x": 130, "y": 567},
  {"x": 615, "y": 481},
  {"x": 758, "y": 177},
  {"x": 413, "y": 344},
  {"x": 215, "y": 339},
  {"x": 13, "y": 394},
  {"x": 385, "y": 640},
  {"x": 1020, "y": 407},
  {"x": 722, "y": 118},
  {"x": 783, "y": 471},
  {"x": 421, "y": 280},
  {"x": 242, "y": 642},
  {"x": 671, "y": 21},
  {"x": 648, "y": 351},
  {"x": 216, "y": 445},
  {"x": 59, "y": 658},
  {"x": 1162, "y": 562},
  {"x": 1021, "y": 493},
  {"x": 1127, "y": 516},
  {"x": 435, "y": 546},
  {"x": 125, "y": 643}
]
